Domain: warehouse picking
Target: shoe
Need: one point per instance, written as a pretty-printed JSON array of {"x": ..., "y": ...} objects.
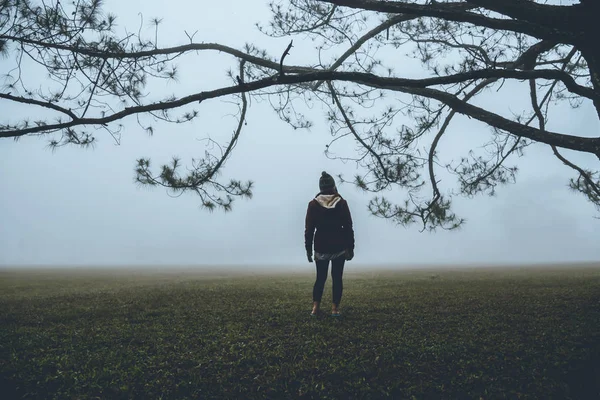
[
  {"x": 315, "y": 310},
  {"x": 335, "y": 311}
]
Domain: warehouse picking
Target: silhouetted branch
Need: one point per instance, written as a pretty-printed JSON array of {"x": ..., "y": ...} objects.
[
  {"x": 285, "y": 53},
  {"x": 385, "y": 26},
  {"x": 412, "y": 86},
  {"x": 45, "y": 104},
  {"x": 453, "y": 12}
]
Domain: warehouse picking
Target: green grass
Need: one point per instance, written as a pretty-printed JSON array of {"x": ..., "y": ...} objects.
[{"x": 492, "y": 334}]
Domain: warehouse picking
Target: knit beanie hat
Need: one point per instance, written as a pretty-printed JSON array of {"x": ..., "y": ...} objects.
[{"x": 326, "y": 182}]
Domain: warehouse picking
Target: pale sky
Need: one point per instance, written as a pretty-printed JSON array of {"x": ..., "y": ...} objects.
[{"x": 81, "y": 207}]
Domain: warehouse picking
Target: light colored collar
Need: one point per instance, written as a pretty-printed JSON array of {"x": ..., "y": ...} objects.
[{"x": 328, "y": 200}]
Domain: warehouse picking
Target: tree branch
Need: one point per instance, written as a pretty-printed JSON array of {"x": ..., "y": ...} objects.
[
  {"x": 371, "y": 34},
  {"x": 340, "y": 107},
  {"x": 204, "y": 171},
  {"x": 93, "y": 89},
  {"x": 442, "y": 131},
  {"x": 285, "y": 53},
  {"x": 412, "y": 86},
  {"x": 157, "y": 52},
  {"x": 452, "y": 12},
  {"x": 238, "y": 130},
  {"x": 542, "y": 124},
  {"x": 584, "y": 144},
  {"x": 45, "y": 104},
  {"x": 529, "y": 11}
]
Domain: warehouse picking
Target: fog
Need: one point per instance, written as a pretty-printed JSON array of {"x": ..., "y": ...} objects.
[{"x": 81, "y": 206}]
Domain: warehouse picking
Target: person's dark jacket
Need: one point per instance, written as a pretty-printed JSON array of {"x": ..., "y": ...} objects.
[{"x": 330, "y": 216}]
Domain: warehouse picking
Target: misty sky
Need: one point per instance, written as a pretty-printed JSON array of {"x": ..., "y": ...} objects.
[{"x": 81, "y": 207}]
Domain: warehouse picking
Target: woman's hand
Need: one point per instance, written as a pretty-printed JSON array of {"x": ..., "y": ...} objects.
[
  {"x": 309, "y": 256},
  {"x": 349, "y": 254}
]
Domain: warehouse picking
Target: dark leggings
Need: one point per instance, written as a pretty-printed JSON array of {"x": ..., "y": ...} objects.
[{"x": 337, "y": 269}]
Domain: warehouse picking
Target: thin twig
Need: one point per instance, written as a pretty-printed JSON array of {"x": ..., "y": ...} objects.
[{"x": 285, "y": 53}]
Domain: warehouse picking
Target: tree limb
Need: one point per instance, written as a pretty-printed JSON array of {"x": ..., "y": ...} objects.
[
  {"x": 452, "y": 14},
  {"x": 204, "y": 171},
  {"x": 157, "y": 52},
  {"x": 542, "y": 124},
  {"x": 584, "y": 144},
  {"x": 45, "y": 104},
  {"x": 238, "y": 130},
  {"x": 285, "y": 53},
  {"x": 530, "y": 11},
  {"x": 412, "y": 86},
  {"x": 371, "y": 34}
]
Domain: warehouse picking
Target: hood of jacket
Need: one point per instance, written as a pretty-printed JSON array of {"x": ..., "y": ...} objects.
[{"x": 328, "y": 200}]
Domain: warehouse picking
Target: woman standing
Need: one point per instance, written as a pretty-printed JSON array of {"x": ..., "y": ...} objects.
[{"x": 329, "y": 215}]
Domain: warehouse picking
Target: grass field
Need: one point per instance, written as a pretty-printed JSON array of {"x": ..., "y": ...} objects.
[{"x": 421, "y": 334}]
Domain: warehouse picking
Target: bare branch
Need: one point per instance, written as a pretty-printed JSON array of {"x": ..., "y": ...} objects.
[
  {"x": 45, "y": 104},
  {"x": 285, "y": 53}
]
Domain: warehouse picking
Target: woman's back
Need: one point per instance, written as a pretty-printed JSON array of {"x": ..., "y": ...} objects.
[{"x": 329, "y": 215}]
